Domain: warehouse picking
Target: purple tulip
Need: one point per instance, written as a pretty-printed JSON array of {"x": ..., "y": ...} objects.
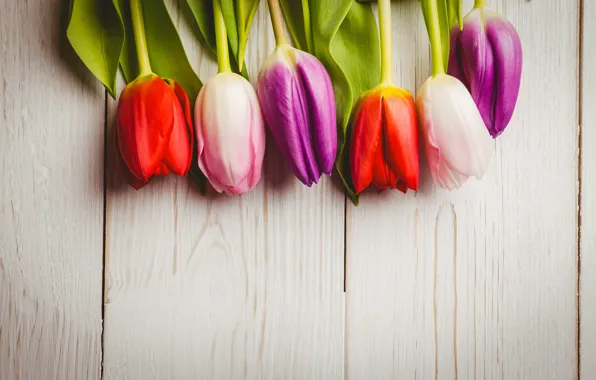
[
  {"x": 298, "y": 105},
  {"x": 487, "y": 57}
]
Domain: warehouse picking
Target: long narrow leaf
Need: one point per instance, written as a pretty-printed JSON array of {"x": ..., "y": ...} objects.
[
  {"x": 293, "y": 11},
  {"x": 445, "y": 27},
  {"x": 202, "y": 10}
]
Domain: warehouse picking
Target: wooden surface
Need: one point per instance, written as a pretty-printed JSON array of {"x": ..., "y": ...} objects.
[
  {"x": 588, "y": 196},
  {"x": 479, "y": 283},
  {"x": 51, "y": 200}
]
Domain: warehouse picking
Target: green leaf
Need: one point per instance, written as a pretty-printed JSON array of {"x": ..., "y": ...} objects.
[
  {"x": 227, "y": 8},
  {"x": 346, "y": 41},
  {"x": 238, "y": 17},
  {"x": 96, "y": 34},
  {"x": 166, "y": 52},
  {"x": 203, "y": 14},
  {"x": 294, "y": 11},
  {"x": 445, "y": 27},
  {"x": 245, "y": 13},
  {"x": 202, "y": 11},
  {"x": 454, "y": 13},
  {"x": 128, "y": 56}
]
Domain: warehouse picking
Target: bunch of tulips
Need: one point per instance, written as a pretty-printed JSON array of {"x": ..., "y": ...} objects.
[{"x": 459, "y": 110}]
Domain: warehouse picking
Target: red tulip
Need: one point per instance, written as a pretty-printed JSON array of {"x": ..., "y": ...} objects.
[
  {"x": 154, "y": 133},
  {"x": 384, "y": 140}
]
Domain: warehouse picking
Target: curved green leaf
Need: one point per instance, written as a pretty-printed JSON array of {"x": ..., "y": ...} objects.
[
  {"x": 203, "y": 14},
  {"x": 166, "y": 52},
  {"x": 128, "y": 57},
  {"x": 454, "y": 13},
  {"x": 202, "y": 11},
  {"x": 96, "y": 34},
  {"x": 445, "y": 29},
  {"x": 294, "y": 12},
  {"x": 245, "y": 13},
  {"x": 238, "y": 16},
  {"x": 346, "y": 41},
  {"x": 227, "y": 8}
]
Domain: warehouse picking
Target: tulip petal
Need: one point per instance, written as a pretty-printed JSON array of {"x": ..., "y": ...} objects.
[
  {"x": 133, "y": 181},
  {"x": 303, "y": 130},
  {"x": 178, "y": 157},
  {"x": 478, "y": 65},
  {"x": 321, "y": 106},
  {"x": 400, "y": 131},
  {"x": 382, "y": 176},
  {"x": 507, "y": 48},
  {"x": 454, "y": 67},
  {"x": 224, "y": 118},
  {"x": 257, "y": 137},
  {"x": 282, "y": 99},
  {"x": 401, "y": 186},
  {"x": 457, "y": 142},
  {"x": 365, "y": 140},
  {"x": 144, "y": 122}
]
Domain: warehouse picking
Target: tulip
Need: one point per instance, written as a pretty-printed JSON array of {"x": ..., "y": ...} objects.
[
  {"x": 298, "y": 105},
  {"x": 384, "y": 140},
  {"x": 383, "y": 146},
  {"x": 230, "y": 133},
  {"x": 457, "y": 143},
  {"x": 229, "y": 124},
  {"x": 487, "y": 57},
  {"x": 153, "y": 129},
  {"x": 153, "y": 132}
]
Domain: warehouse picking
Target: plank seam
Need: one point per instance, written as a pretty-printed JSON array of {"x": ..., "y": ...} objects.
[
  {"x": 345, "y": 374},
  {"x": 579, "y": 179},
  {"x": 103, "y": 250}
]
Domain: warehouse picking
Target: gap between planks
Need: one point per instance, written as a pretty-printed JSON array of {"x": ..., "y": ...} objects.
[{"x": 580, "y": 65}]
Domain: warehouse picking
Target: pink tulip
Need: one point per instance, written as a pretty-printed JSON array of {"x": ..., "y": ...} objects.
[{"x": 230, "y": 133}]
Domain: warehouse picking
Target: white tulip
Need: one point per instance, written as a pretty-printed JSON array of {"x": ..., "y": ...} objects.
[{"x": 457, "y": 143}]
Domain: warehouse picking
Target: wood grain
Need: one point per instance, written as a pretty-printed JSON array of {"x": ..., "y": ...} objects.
[
  {"x": 51, "y": 200},
  {"x": 479, "y": 282},
  {"x": 588, "y": 199},
  {"x": 217, "y": 287}
]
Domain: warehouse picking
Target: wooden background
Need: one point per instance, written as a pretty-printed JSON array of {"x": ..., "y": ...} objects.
[{"x": 493, "y": 281}]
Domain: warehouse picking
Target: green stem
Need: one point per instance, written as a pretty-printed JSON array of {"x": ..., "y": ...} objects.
[
  {"x": 277, "y": 20},
  {"x": 307, "y": 27},
  {"x": 138, "y": 27},
  {"x": 434, "y": 31},
  {"x": 385, "y": 26},
  {"x": 221, "y": 39},
  {"x": 479, "y": 3}
]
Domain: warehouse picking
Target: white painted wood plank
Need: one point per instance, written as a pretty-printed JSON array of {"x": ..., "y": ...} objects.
[
  {"x": 244, "y": 287},
  {"x": 480, "y": 282},
  {"x": 51, "y": 200},
  {"x": 588, "y": 198}
]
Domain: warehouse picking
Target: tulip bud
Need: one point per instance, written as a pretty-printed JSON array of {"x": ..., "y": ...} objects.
[
  {"x": 230, "y": 133},
  {"x": 384, "y": 140},
  {"x": 456, "y": 140},
  {"x": 153, "y": 129},
  {"x": 298, "y": 105},
  {"x": 487, "y": 57}
]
